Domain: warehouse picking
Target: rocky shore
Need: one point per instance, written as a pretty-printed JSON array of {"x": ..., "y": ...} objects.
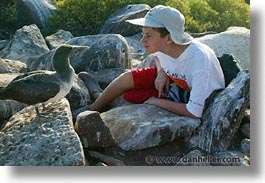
[{"x": 129, "y": 134}]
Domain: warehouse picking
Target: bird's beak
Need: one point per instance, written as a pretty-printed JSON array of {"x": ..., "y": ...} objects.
[{"x": 76, "y": 49}]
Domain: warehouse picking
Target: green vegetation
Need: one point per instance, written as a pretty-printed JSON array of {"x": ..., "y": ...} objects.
[
  {"x": 83, "y": 17},
  {"x": 213, "y": 15},
  {"x": 7, "y": 16}
]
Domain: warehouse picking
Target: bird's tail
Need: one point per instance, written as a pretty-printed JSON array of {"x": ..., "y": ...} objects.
[{"x": 2, "y": 93}]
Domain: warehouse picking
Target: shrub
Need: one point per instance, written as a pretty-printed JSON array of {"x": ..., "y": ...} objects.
[
  {"x": 213, "y": 15},
  {"x": 7, "y": 16},
  {"x": 83, "y": 17}
]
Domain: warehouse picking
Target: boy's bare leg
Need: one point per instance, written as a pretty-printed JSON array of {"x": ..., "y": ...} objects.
[{"x": 115, "y": 89}]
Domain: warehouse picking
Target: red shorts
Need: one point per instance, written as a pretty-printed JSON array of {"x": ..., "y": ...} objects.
[{"x": 144, "y": 87}]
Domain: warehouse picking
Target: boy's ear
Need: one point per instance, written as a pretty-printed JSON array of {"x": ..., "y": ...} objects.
[{"x": 168, "y": 39}]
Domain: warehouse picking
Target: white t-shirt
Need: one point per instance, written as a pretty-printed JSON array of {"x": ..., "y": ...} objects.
[{"x": 195, "y": 74}]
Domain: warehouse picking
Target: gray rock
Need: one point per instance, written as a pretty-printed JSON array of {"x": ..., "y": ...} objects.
[
  {"x": 245, "y": 146},
  {"x": 230, "y": 67},
  {"x": 105, "y": 52},
  {"x": 3, "y": 43},
  {"x": 141, "y": 126},
  {"x": 46, "y": 140},
  {"x": 137, "y": 48},
  {"x": 58, "y": 38},
  {"x": 8, "y": 108},
  {"x": 41, "y": 62},
  {"x": 245, "y": 129},
  {"x": 116, "y": 23},
  {"x": 79, "y": 95},
  {"x": 9, "y": 66},
  {"x": 34, "y": 12},
  {"x": 246, "y": 118},
  {"x": 92, "y": 130},
  {"x": 222, "y": 119},
  {"x": 245, "y": 125},
  {"x": 27, "y": 42},
  {"x": 106, "y": 76},
  {"x": 234, "y": 41}
]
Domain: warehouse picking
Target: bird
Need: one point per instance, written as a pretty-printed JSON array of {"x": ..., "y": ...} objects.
[{"x": 43, "y": 86}]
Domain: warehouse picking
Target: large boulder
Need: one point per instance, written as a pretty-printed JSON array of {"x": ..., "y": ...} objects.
[
  {"x": 34, "y": 12},
  {"x": 141, "y": 126},
  {"x": 222, "y": 118},
  {"x": 41, "y": 62},
  {"x": 58, "y": 38},
  {"x": 92, "y": 130},
  {"x": 230, "y": 67},
  {"x": 116, "y": 23},
  {"x": 105, "y": 52},
  {"x": 45, "y": 140},
  {"x": 234, "y": 41},
  {"x": 106, "y": 76},
  {"x": 27, "y": 42}
]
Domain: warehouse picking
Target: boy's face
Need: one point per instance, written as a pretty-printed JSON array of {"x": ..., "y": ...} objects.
[{"x": 152, "y": 41}]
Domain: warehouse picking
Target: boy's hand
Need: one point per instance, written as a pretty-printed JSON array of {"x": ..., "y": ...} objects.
[
  {"x": 152, "y": 101},
  {"x": 162, "y": 82}
]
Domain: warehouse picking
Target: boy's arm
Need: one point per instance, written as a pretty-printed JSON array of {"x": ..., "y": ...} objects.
[{"x": 177, "y": 108}]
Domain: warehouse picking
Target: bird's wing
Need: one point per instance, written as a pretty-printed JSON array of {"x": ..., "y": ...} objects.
[
  {"x": 34, "y": 88},
  {"x": 37, "y": 72}
]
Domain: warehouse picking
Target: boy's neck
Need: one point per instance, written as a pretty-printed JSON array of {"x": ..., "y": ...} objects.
[{"x": 175, "y": 50}]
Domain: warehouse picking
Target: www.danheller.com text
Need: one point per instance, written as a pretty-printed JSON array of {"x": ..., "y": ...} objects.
[{"x": 151, "y": 159}]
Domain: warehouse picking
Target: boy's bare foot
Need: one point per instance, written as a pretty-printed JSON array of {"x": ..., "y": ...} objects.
[{"x": 91, "y": 84}]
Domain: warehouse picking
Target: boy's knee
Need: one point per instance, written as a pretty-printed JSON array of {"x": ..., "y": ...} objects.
[
  {"x": 127, "y": 75},
  {"x": 126, "y": 79}
]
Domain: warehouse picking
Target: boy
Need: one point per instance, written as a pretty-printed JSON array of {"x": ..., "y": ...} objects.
[{"x": 186, "y": 72}]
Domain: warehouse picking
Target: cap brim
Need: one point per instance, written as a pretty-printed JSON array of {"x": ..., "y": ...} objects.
[{"x": 144, "y": 22}]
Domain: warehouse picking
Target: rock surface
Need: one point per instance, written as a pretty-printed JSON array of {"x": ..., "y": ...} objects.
[
  {"x": 27, "y": 42},
  {"x": 8, "y": 108},
  {"x": 79, "y": 95},
  {"x": 34, "y": 12},
  {"x": 12, "y": 66},
  {"x": 222, "y": 119},
  {"x": 92, "y": 130},
  {"x": 43, "y": 140},
  {"x": 105, "y": 52},
  {"x": 58, "y": 38},
  {"x": 116, "y": 23},
  {"x": 235, "y": 41},
  {"x": 141, "y": 126}
]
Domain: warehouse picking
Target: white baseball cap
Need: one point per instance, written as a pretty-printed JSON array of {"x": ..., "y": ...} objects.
[{"x": 166, "y": 17}]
